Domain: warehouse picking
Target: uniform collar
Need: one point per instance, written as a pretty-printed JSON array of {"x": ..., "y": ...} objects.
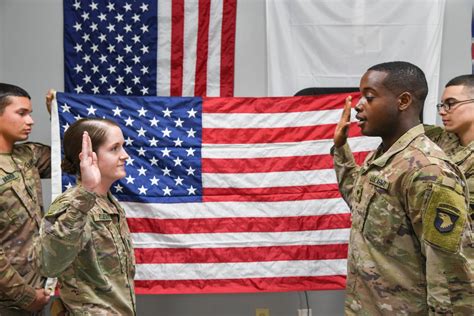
[
  {"x": 470, "y": 146},
  {"x": 398, "y": 146},
  {"x": 105, "y": 201},
  {"x": 6, "y": 163},
  {"x": 463, "y": 152}
]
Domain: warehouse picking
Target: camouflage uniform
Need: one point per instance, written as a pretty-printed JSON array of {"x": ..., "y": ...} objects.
[
  {"x": 462, "y": 156},
  {"x": 410, "y": 244},
  {"x": 85, "y": 241},
  {"x": 21, "y": 209}
]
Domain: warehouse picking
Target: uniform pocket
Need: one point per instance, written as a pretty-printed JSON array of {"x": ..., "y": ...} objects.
[
  {"x": 12, "y": 210},
  {"x": 104, "y": 243},
  {"x": 382, "y": 221},
  {"x": 98, "y": 259}
]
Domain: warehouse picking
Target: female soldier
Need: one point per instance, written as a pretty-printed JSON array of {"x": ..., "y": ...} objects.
[{"x": 84, "y": 238}]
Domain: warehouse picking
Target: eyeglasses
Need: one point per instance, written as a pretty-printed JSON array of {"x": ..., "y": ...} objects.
[{"x": 448, "y": 106}]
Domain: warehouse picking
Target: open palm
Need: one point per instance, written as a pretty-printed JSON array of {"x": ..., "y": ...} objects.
[
  {"x": 342, "y": 128},
  {"x": 90, "y": 173}
]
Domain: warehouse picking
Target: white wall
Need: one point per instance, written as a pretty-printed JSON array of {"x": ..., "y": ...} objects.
[{"x": 31, "y": 56}]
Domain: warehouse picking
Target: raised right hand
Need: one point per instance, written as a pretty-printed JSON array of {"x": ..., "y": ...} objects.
[
  {"x": 49, "y": 99},
  {"x": 342, "y": 128},
  {"x": 90, "y": 173},
  {"x": 41, "y": 299}
]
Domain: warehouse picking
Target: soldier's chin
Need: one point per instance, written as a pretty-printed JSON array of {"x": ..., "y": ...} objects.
[
  {"x": 367, "y": 132},
  {"x": 364, "y": 130},
  {"x": 22, "y": 137},
  {"x": 449, "y": 128}
]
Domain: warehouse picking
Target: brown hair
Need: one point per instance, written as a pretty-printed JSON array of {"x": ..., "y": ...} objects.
[{"x": 72, "y": 141}]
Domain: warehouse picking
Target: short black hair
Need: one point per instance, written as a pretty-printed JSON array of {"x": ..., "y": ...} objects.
[
  {"x": 402, "y": 77},
  {"x": 8, "y": 90},
  {"x": 466, "y": 81}
]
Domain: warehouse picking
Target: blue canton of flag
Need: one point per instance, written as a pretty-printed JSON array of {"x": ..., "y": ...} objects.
[
  {"x": 110, "y": 47},
  {"x": 163, "y": 142}
]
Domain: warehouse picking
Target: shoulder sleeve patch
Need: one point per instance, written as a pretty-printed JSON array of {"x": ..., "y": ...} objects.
[
  {"x": 444, "y": 218},
  {"x": 58, "y": 206}
]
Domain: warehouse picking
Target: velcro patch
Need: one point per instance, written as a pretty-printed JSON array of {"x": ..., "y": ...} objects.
[
  {"x": 102, "y": 217},
  {"x": 379, "y": 182},
  {"x": 9, "y": 177},
  {"x": 444, "y": 218}
]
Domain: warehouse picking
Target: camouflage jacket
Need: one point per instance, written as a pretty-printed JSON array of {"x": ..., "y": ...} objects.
[
  {"x": 463, "y": 156},
  {"x": 410, "y": 248},
  {"x": 85, "y": 242},
  {"x": 21, "y": 209}
]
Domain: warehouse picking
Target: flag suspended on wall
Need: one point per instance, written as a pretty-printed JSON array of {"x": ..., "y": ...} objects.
[
  {"x": 165, "y": 47},
  {"x": 227, "y": 195},
  {"x": 319, "y": 43}
]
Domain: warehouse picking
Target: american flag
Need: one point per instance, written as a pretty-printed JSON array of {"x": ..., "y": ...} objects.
[
  {"x": 227, "y": 195},
  {"x": 166, "y": 47}
]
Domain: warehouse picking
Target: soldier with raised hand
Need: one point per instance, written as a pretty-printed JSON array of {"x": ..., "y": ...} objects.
[
  {"x": 21, "y": 206},
  {"x": 84, "y": 238},
  {"x": 410, "y": 243}
]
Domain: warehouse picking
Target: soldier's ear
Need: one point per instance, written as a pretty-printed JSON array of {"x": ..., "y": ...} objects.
[{"x": 404, "y": 101}]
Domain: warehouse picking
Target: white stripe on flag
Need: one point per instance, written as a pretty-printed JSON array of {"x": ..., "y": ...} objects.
[
  {"x": 191, "y": 21},
  {"x": 237, "y": 270},
  {"x": 268, "y": 179},
  {"x": 235, "y": 209},
  {"x": 214, "y": 57},
  {"x": 219, "y": 240},
  {"x": 163, "y": 71},
  {"x": 270, "y": 120},
  {"x": 56, "y": 180},
  {"x": 308, "y": 148}
]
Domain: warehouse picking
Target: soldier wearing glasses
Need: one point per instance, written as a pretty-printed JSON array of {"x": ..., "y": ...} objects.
[{"x": 457, "y": 137}]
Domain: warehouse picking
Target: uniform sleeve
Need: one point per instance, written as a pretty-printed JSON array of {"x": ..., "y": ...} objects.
[
  {"x": 13, "y": 285},
  {"x": 42, "y": 154},
  {"x": 63, "y": 232},
  {"x": 437, "y": 207},
  {"x": 346, "y": 170}
]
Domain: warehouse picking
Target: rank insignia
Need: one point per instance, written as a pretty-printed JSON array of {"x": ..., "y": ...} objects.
[{"x": 445, "y": 220}]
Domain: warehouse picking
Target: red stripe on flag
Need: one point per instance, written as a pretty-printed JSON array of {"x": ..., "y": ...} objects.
[
  {"x": 274, "y": 164},
  {"x": 274, "y": 194},
  {"x": 276, "y": 104},
  {"x": 228, "y": 48},
  {"x": 200, "y": 88},
  {"x": 240, "y": 254},
  {"x": 177, "y": 47},
  {"x": 272, "y": 135},
  {"x": 239, "y": 224},
  {"x": 282, "y": 284}
]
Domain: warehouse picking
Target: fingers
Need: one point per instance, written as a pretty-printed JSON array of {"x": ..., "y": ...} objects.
[
  {"x": 89, "y": 142},
  {"x": 346, "y": 113},
  {"x": 49, "y": 99},
  {"x": 94, "y": 158},
  {"x": 86, "y": 146},
  {"x": 342, "y": 128}
]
